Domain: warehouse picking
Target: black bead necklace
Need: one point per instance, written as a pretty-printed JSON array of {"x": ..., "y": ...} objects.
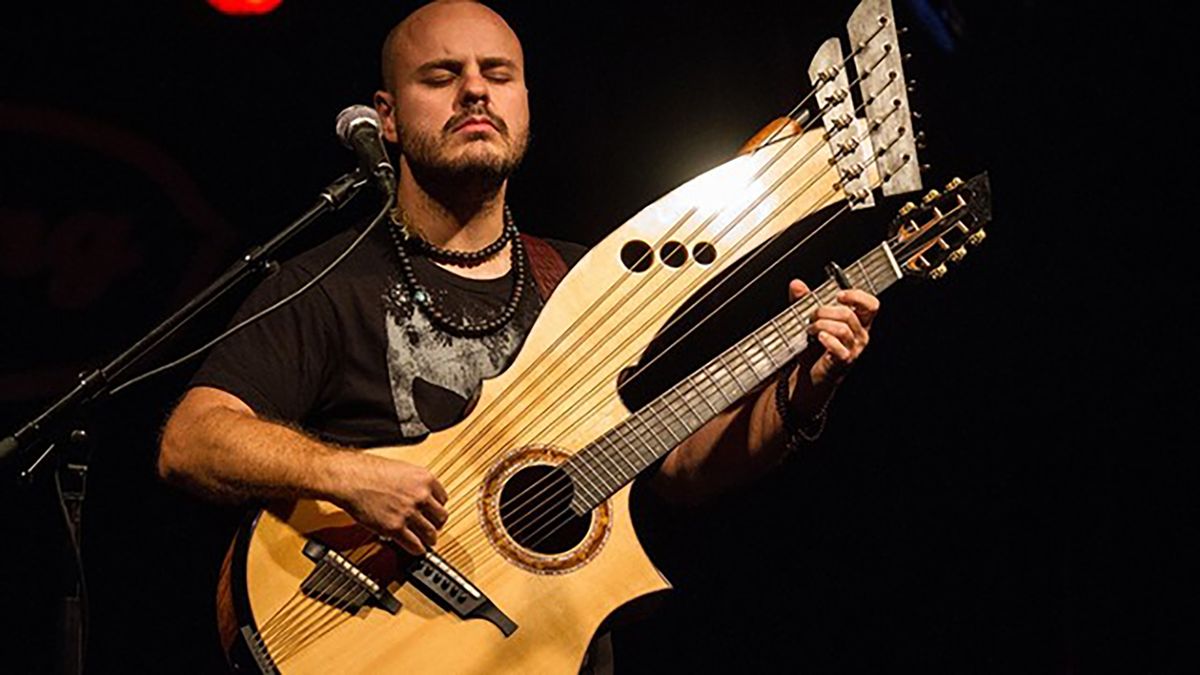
[
  {"x": 455, "y": 257},
  {"x": 424, "y": 300}
]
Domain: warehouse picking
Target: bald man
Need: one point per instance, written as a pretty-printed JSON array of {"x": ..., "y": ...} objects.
[{"x": 395, "y": 342}]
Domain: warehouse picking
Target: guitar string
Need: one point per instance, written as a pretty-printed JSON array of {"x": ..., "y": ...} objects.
[
  {"x": 301, "y": 612},
  {"x": 770, "y": 139},
  {"x": 699, "y": 282},
  {"x": 311, "y": 632},
  {"x": 302, "y": 625},
  {"x": 323, "y": 629},
  {"x": 660, "y": 312},
  {"x": 900, "y": 248},
  {"x": 612, "y": 290},
  {"x": 556, "y": 520},
  {"x": 880, "y": 264},
  {"x": 735, "y": 295},
  {"x": 624, "y": 456},
  {"x": 326, "y": 614},
  {"x": 799, "y": 106},
  {"x": 514, "y": 398},
  {"x": 304, "y": 609},
  {"x": 465, "y": 456},
  {"x": 868, "y": 276},
  {"x": 329, "y": 617}
]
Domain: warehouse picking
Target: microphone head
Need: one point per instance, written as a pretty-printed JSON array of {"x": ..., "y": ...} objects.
[{"x": 351, "y": 118}]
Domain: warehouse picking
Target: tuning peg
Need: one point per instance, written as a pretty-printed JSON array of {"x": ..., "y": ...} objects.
[
  {"x": 954, "y": 184},
  {"x": 901, "y": 30},
  {"x": 977, "y": 238},
  {"x": 922, "y": 262},
  {"x": 908, "y": 208},
  {"x": 958, "y": 254},
  {"x": 930, "y": 197},
  {"x": 920, "y": 140},
  {"x": 915, "y": 115},
  {"x": 937, "y": 272},
  {"x": 907, "y": 57},
  {"x": 924, "y": 168},
  {"x": 912, "y": 86}
]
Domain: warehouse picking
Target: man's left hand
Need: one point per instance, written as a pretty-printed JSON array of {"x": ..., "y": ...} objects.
[{"x": 842, "y": 329}]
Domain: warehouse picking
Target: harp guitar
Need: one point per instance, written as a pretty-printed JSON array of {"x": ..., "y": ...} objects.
[{"x": 539, "y": 548}]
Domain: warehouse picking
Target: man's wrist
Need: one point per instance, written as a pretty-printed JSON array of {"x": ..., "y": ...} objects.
[{"x": 802, "y": 417}]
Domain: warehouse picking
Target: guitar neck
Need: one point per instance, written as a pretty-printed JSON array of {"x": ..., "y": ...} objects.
[{"x": 614, "y": 459}]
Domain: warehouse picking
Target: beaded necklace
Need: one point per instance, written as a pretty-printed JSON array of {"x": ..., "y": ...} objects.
[{"x": 424, "y": 300}]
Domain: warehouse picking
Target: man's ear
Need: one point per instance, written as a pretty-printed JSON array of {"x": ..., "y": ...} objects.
[{"x": 385, "y": 105}]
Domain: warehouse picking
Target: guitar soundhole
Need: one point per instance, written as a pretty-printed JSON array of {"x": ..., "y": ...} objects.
[
  {"x": 674, "y": 254},
  {"x": 535, "y": 510},
  {"x": 637, "y": 256}
]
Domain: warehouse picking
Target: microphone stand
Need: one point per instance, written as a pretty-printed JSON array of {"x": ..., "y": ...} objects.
[{"x": 58, "y": 427}]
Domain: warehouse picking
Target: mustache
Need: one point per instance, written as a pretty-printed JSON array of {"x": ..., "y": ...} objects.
[{"x": 476, "y": 111}]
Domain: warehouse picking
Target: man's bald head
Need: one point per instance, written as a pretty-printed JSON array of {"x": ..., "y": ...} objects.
[
  {"x": 455, "y": 99},
  {"x": 411, "y": 27}
]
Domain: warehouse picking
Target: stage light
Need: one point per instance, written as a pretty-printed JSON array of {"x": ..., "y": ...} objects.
[{"x": 244, "y": 7}]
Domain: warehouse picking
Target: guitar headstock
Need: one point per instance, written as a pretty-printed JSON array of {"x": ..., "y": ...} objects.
[{"x": 926, "y": 238}]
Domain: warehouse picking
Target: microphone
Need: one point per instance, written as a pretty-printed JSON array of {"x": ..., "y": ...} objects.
[{"x": 358, "y": 128}]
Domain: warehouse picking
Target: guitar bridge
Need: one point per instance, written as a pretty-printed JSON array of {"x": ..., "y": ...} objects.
[
  {"x": 443, "y": 584},
  {"x": 339, "y": 583}
]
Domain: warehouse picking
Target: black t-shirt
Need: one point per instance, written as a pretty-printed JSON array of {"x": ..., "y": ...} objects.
[{"x": 353, "y": 361}]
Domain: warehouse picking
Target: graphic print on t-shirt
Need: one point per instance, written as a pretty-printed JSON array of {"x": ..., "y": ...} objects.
[{"x": 434, "y": 374}]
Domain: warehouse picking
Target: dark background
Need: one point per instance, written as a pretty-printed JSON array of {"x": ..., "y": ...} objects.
[{"x": 1003, "y": 486}]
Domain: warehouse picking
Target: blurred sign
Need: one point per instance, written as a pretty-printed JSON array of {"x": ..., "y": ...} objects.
[{"x": 101, "y": 234}]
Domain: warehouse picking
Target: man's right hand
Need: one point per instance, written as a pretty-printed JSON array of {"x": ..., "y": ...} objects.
[
  {"x": 398, "y": 500},
  {"x": 214, "y": 443}
]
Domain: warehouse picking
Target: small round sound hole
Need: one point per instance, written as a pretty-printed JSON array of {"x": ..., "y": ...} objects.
[
  {"x": 637, "y": 256},
  {"x": 535, "y": 510},
  {"x": 674, "y": 254}
]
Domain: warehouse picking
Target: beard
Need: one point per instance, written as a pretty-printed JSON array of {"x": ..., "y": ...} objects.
[{"x": 478, "y": 164}]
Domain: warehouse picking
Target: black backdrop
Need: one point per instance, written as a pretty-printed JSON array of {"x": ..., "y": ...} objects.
[{"x": 1003, "y": 486}]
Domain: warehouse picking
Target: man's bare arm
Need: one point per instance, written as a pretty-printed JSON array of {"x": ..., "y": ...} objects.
[
  {"x": 214, "y": 444},
  {"x": 745, "y": 441}
]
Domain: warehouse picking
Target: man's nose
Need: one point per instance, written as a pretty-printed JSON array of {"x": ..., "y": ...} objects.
[{"x": 474, "y": 89}]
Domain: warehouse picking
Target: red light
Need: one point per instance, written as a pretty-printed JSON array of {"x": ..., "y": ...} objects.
[{"x": 244, "y": 7}]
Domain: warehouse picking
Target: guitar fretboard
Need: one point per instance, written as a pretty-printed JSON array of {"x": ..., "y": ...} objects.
[{"x": 614, "y": 459}]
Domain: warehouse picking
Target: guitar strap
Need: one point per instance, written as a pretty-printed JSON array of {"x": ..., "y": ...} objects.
[{"x": 546, "y": 264}]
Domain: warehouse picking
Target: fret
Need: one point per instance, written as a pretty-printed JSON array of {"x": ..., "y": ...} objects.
[
  {"x": 801, "y": 320},
  {"x": 624, "y": 439},
  {"x": 702, "y": 398},
  {"x": 787, "y": 341},
  {"x": 704, "y": 369},
  {"x": 776, "y": 334},
  {"x": 832, "y": 289},
  {"x": 765, "y": 351},
  {"x": 870, "y": 281},
  {"x": 683, "y": 397},
  {"x": 643, "y": 441},
  {"x": 742, "y": 353},
  {"x": 683, "y": 423},
  {"x": 591, "y": 490},
  {"x": 721, "y": 360},
  {"x": 601, "y": 464},
  {"x": 622, "y": 456},
  {"x": 666, "y": 427},
  {"x": 639, "y": 436}
]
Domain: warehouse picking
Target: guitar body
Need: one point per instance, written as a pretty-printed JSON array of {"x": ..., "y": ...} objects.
[
  {"x": 557, "y": 397},
  {"x": 557, "y": 613}
]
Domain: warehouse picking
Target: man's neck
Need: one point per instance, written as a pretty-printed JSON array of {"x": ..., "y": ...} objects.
[{"x": 468, "y": 220}]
